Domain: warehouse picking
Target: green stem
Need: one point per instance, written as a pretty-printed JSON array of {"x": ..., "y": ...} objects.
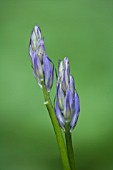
[
  {"x": 69, "y": 146},
  {"x": 57, "y": 129}
]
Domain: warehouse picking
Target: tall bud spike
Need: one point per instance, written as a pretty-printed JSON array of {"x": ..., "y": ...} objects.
[
  {"x": 43, "y": 68},
  {"x": 67, "y": 98}
]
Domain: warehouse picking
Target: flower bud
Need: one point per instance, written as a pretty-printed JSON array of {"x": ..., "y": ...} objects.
[
  {"x": 40, "y": 49},
  {"x": 67, "y": 109},
  {"x": 60, "y": 97},
  {"x": 76, "y": 112},
  {"x": 35, "y": 37},
  {"x": 67, "y": 71},
  {"x": 38, "y": 68},
  {"x": 72, "y": 84},
  {"x": 48, "y": 72},
  {"x": 60, "y": 70},
  {"x": 63, "y": 73},
  {"x": 59, "y": 115}
]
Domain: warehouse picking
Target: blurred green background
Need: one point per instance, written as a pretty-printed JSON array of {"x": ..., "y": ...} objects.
[{"x": 81, "y": 30}]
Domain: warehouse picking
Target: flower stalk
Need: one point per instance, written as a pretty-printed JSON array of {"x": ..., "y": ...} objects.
[{"x": 56, "y": 127}]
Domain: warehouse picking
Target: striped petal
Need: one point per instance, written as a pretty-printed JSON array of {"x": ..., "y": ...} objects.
[
  {"x": 67, "y": 110},
  {"x": 40, "y": 49},
  {"x": 32, "y": 55},
  {"x": 72, "y": 84},
  {"x": 67, "y": 70},
  {"x": 60, "y": 97},
  {"x": 72, "y": 101},
  {"x": 76, "y": 113},
  {"x": 59, "y": 115},
  {"x": 35, "y": 36},
  {"x": 37, "y": 31},
  {"x": 38, "y": 68},
  {"x": 50, "y": 84},
  {"x": 48, "y": 69}
]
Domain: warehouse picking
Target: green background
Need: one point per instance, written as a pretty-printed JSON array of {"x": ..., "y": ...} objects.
[{"x": 81, "y": 30}]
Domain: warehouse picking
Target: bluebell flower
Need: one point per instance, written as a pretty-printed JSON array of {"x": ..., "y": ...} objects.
[
  {"x": 67, "y": 100},
  {"x": 43, "y": 68}
]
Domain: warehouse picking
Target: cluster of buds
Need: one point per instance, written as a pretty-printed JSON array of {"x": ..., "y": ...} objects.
[
  {"x": 43, "y": 68},
  {"x": 67, "y": 105}
]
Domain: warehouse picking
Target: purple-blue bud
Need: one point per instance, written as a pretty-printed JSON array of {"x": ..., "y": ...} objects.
[
  {"x": 59, "y": 115},
  {"x": 67, "y": 109},
  {"x": 76, "y": 112},
  {"x": 40, "y": 49},
  {"x": 35, "y": 36},
  {"x": 60, "y": 71},
  {"x": 60, "y": 97},
  {"x": 72, "y": 84},
  {"x": 32, "y": 55},
  {"x": 72, "y": 101},
  {"x": 38, "y": 68},
  {"x": 64, "y": 73},
  {"x": 67, "y": 71},
  {"x": 48, "y": 72}
]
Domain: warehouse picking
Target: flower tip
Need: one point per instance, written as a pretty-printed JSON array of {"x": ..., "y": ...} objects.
[
  {"x": 66, "y": 62},
  {"x": 66, "y": 59},
  {"x": 37, "y": 31}
]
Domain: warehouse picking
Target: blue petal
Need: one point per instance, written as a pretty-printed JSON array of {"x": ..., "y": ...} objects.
[
  {"x": 48, "y": 72},
  {"x": 37, "y": 32},
  {"x": 63, "y": 73},
  {"x": 52, "y": 76},
  {"x": 50, "y": 84},
  {"x": 35, "y": 36},
  {"x": 67, "y": 71},
  {"x": 76, "y": 113},
  {"x": 38, "y": 68},
  {"x": 40, "y": 49},
  {"x": 32, "y": 55},
  {"x": 59, "y": 115},
  {"x": 63, "y": 81},
  {"x": 72, "y": 102},
  {"x": 39, "y": 81},
  {"x": 67, "y": 110},
  {"x": 66, "y": 64},
  {"x": 60, "y": 69},
  {"x": 60, "y": 97},
  {"x": 72, "y": 84}
]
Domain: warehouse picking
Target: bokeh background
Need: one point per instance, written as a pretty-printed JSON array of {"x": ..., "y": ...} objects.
[{"x": 81, "y": 30}]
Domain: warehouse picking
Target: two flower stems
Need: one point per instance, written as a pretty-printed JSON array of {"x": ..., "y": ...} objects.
[{"x": 67, "y": 156}]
